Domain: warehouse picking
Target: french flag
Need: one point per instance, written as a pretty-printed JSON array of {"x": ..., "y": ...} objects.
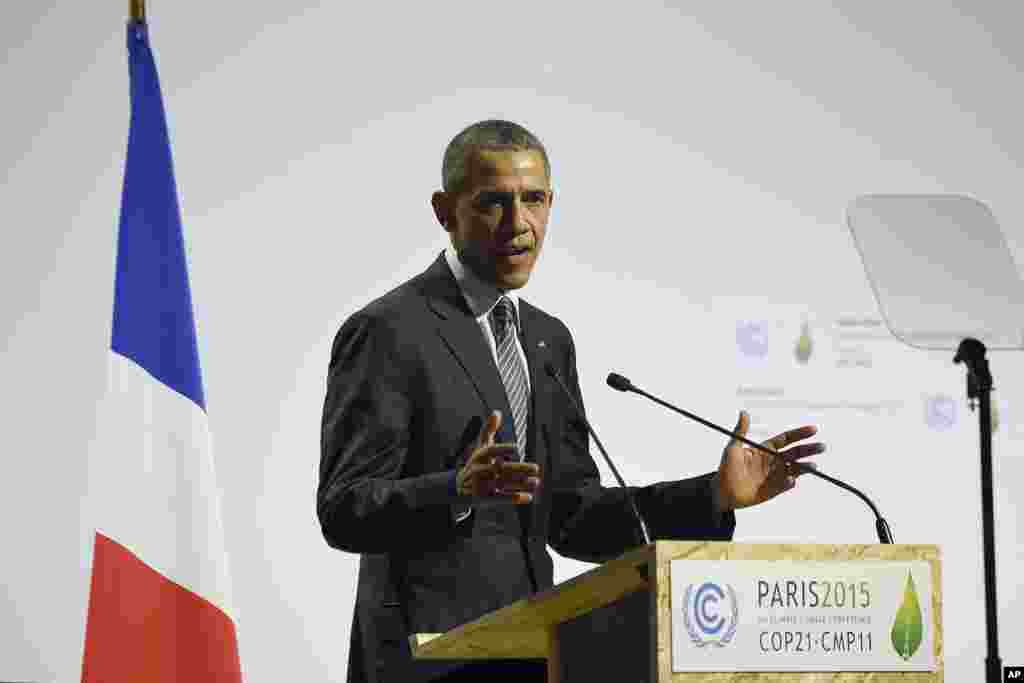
[{"x": 159, "y": 601}]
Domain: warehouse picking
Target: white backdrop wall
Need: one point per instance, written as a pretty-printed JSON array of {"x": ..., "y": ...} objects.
[{"x": 702, "y": 161}]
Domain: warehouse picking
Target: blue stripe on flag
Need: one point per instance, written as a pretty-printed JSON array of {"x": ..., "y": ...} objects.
[{"x": 153, "y": 323}]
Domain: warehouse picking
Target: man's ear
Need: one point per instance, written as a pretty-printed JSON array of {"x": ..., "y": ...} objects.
[{"x": 443, "y": 209}]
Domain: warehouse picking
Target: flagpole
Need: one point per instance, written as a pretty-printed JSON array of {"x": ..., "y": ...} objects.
[{"x": 137, "y": 10}]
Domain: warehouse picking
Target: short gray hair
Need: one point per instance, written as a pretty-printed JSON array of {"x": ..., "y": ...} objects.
[{"x": 490, "y": 134}]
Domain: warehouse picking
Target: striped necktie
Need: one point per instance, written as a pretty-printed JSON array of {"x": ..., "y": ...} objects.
[{"x": 510, "y": 365}]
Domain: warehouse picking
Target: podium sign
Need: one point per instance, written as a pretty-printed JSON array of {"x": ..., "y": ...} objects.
[
  {"x": 788, "y": 611},
  {"x": 770, "y": 615}
]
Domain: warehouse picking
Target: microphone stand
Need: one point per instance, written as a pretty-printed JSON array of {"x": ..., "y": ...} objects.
[
  {"x": 620, "y": 383},
  {"x": 554, "y": 374},
  {"x": 979, "y": 393}
]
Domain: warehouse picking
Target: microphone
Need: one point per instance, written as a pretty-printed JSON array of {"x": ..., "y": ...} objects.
[
  {"x": 553, "y": 373},
  {"x": 620, "y": 383}
]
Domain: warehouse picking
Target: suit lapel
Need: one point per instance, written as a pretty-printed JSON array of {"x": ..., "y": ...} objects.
[
  {"x": 537, "y": 348},
  {"x": 461, "y": 334},
  {"x": 459, "y": 330}
]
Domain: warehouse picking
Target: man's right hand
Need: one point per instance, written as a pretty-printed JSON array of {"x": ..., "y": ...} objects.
[{"x": 493, "y": 471}]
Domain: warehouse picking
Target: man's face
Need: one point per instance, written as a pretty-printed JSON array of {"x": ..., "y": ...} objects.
[{"x": 498, "y": 220}]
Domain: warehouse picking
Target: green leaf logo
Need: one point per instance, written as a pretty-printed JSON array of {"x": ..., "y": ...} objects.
[
  {"x": 907, "y": 629},
  {"x": 804, "y": 344}
]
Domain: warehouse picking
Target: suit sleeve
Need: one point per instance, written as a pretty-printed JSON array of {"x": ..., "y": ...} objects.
[
  {"x": 365, "y": 502},
  {"x": 593, "y": 523}
]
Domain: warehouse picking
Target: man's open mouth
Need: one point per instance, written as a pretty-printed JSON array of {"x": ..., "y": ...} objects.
[{"x": 511, "y": 250}]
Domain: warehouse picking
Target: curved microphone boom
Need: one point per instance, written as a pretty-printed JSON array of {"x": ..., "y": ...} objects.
[
  {"x": 552, "y": 372},
  {"x": 620, "y": 383}
]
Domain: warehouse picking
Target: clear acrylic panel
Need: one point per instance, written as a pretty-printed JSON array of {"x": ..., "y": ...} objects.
[{"x": 940, "y": 270}]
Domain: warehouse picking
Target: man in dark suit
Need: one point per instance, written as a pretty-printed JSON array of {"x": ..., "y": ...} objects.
[{"x": 450, "y": 460}]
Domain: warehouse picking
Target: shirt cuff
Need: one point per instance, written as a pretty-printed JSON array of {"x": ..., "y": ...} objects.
[
  {"x": 717, "y": 513},
  {"x": 461, "y": 510}
]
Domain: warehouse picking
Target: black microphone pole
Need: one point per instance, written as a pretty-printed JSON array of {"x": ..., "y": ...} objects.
[
  {"x": 620, "y": 383},
  {"x": 971, "y": 352},
  {"x": 553, "y": 373}
]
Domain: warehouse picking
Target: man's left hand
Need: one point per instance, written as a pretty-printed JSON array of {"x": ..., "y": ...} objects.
[{"x": 748, "y": 476}]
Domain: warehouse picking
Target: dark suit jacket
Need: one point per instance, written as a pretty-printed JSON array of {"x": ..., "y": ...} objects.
[{"x": 411, "y": 379}]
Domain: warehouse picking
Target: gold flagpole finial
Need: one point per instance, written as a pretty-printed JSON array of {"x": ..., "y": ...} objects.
[{"x": 137, "y": 8}]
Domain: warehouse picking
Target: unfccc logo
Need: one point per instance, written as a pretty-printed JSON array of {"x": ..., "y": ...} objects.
[{"x": 711, "y": 614}]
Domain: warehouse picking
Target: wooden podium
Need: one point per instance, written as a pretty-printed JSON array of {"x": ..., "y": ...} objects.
[{"x": 613, "y": 623}]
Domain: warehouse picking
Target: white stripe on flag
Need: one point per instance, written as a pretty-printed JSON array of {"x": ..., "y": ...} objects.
[{"x": 152, "y": 485}]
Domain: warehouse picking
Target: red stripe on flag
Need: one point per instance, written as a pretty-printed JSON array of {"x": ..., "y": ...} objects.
[{"x": 142, "y": 626}]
